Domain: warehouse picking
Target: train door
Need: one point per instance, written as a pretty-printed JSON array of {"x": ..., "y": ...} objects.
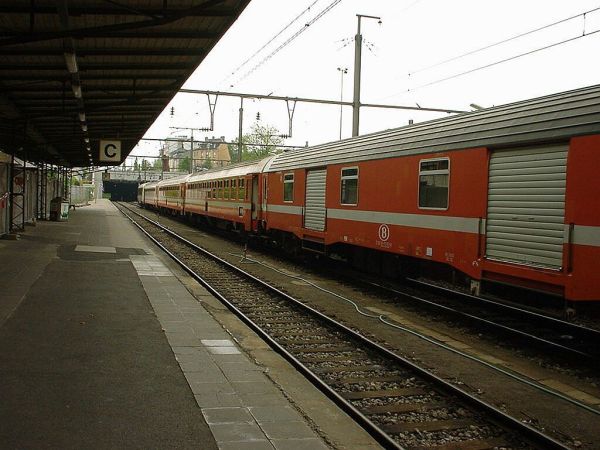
[
  {"x": 526, "y": 206},
  {"x": 254, "y": 196},
  {"x": 181, "y": 196},
  {"x": 315, "y": 213}
]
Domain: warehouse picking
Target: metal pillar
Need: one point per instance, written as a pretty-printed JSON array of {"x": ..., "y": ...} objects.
[
  {"x": 17, "y": 196},
  {"x": 343, "y": 71},
  {"x": 240, "y": 129},
  {"x": 42, "y": 197},
  {"x": 67, "y": 185},
  {"x": 357, "y": 69}
]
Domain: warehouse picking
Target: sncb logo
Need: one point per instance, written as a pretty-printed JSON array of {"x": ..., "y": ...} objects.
[{"x": 384, "y": 232}]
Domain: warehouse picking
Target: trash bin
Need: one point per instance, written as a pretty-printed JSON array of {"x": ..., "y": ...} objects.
[{"x": 55, "y": 208}]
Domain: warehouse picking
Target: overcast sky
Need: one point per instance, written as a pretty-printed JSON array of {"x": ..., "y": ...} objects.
[{"x": 413, "y": 35}]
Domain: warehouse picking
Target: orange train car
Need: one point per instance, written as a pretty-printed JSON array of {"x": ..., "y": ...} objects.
[{"x": 509, "y": 194}]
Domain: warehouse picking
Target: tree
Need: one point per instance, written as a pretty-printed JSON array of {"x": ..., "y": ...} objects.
[
  {"x": 184, "y": 164},
  {"x": 145, "y": 165},
  {"x": 207, "y": 164},
  {"x": 157, "y": 164},
  {"x": 136, "y": 165},
  {"x": 262, "y": 141}
]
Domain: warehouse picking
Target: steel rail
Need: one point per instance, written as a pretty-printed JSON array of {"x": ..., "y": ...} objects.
[
  {"x": 529, "y": 433},
  {"x": 583, "y": 333}
]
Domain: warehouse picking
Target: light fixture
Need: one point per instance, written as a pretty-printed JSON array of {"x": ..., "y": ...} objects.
[
  {"x": 71, "y": 61},
  {"x": 87, "y": 141},
  {"x": 82, "y": 117},
  {"x": 84, "y": 127},
  {"x": 76, "y": 90}
]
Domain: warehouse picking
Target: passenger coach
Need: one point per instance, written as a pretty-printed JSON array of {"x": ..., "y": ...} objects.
[{"x": 508, "y": 194}]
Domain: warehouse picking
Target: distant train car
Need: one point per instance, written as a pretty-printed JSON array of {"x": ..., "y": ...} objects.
[
  {"x": 229, "y": 196},
  {"x": 147, "y": 194},
  {"x": 140, "y": 194},
  {"x": 170, "y": 195}
]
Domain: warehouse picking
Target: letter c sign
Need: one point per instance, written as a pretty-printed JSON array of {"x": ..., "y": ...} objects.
[{"x": 110, "y": 151}]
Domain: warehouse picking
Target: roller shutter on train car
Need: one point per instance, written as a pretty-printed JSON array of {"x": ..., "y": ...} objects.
[
  {"x": 526, "y": 206},
  {"x": 314, "y": 215}
]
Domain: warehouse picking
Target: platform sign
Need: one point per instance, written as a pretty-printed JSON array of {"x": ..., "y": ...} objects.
[{"x": 110, "y": 151}]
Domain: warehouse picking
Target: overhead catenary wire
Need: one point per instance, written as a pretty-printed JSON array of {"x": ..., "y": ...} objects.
[
  {"x": 290, "y": 39},
  {"x": 504, "y": 41},
  {"x": 511, "y": 58},
  {"x": 295, "y": 19}
]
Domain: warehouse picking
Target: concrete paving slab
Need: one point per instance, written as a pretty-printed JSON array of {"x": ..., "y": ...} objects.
[
  {"x": 207, "y": 374},
  {"x": 178, "y": 341},
  {"x": 235, "y": 432},
  {"x": 95, "y": 249},
  {"x": 227, "y": 415},
  {"x": 218, "y": 342},
  {"x": 270, "y": 400},
  {"x": 211, "y": 387},
  {"x": 217, "y": 399},
  {"x": 244, "y": 365},
  {"x": 246, "y": 445},
  {"x": 186, "y": 350},
  {"x": 287, "y": 430},
  {"x": 299, "y": 444},
  {"x": 245, "y": 375},
  {"x": 223, "y": 350},
  {"x": 274, "y": 414},
  {"x": 255, "y": 387}
]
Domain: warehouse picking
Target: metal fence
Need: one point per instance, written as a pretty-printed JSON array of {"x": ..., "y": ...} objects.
[{"x": 81, "y": 195}]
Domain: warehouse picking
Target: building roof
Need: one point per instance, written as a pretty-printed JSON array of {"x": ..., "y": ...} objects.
[
  {"x": 545, "y": 119},
  {"x": 127, "y": 59}
]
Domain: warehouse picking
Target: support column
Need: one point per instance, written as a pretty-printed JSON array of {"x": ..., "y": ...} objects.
[{"x": 17, "y": 196}]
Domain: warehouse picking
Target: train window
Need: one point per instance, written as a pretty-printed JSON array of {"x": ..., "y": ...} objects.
[
  {"x": 288, "y": 187},
  {"x": 349, "y": 186},
  {"x": 242, "y": 190},
  {"x": 233, "y": 188},
  {"x": 226, "y": 190},
  {"x": 434, "y": 175}
]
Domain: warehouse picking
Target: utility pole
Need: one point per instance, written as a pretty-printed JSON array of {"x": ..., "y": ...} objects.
[
  {"x": 191, "y": 142},
  {"x": 357, "y": 64},
  {"x": 343, "y": 71},
  {"x": 240, "y": 129}
]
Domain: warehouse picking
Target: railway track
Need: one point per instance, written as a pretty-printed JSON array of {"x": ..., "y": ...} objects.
[
  {"x": 551, "y": 335},
  {"x": 399, "y": 403}
]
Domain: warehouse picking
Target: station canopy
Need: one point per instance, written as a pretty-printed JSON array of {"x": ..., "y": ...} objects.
[{"x": 80, "y": 71}]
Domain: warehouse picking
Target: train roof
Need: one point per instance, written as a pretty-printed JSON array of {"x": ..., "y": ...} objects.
[
  {"x": 233, "y": 170},
  {"x": 170, "y": 181},
  {"x": 545, "y": 119},
  {"x": 148, "y": 184}
]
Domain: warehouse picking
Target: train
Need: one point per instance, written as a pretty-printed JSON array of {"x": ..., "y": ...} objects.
[{"x": 508, "y": 195}]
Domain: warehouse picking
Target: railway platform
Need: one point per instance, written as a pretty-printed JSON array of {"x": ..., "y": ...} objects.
[{"x": 105, "y": 343}]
